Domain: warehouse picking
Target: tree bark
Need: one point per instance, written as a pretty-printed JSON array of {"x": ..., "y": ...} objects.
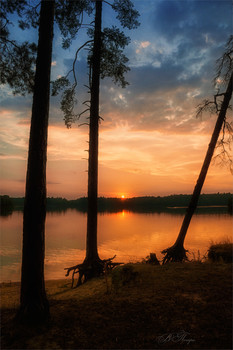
[
  {"x": 91, "y": 241},
  {"x": 33, "y": 301},
  {"x": 178, "y": 246}
]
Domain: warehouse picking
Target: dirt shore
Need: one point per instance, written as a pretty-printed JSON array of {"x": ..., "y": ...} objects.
[{"x": 139, "y": 306}]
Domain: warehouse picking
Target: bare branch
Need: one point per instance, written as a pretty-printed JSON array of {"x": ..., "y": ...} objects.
[
  {"x": 88, "y": 87},
  {"x": 108, "y": 3},
  {"x": 85, "y": 102},
  {"x": 87, "y": 109},
  {"x": 225, "y": 63},
  {"x": 210, "y": 106},
  {"x": 83, "y": 124},
  {"x": 75, "y": 59},
  {"x": 206, "y": 105}
]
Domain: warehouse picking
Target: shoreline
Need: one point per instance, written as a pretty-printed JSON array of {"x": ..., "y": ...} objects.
[
  {"x": 133, "y": 308},
  {"x": 140, "y": 204}
]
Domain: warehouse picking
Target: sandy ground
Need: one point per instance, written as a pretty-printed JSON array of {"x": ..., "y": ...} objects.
[{"x": 176, "y": 306}]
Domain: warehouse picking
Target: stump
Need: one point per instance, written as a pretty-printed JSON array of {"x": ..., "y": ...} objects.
[{"x": 152, "y": 259}]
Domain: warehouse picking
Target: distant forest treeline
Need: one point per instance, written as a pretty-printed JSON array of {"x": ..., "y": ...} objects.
[{"x": 136, "y": 204}]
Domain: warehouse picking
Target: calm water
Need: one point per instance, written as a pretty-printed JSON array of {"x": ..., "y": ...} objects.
[{"x": 131, "y": 236}]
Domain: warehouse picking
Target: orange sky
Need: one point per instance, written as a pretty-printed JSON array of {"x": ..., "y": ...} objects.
[
  {"x": 150, "y": 140},
  {"x": 131, "y": 162}
]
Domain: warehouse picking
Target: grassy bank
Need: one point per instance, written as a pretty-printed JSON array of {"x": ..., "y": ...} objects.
[{"x": 176, "y": 306}]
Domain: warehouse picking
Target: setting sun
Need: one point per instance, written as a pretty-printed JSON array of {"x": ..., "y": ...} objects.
[{"x": 122, "y": 196}]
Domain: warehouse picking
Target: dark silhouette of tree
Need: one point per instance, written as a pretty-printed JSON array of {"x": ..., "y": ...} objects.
[
  {"x": 92, "y": 259},
  {"x": 6, "y": 205},
  {"x": 18, "y": 72},
  {"x": 16, "y": 60},
  {"x": 106, "y": 59},
  {"x": 224, "y": 76},
  {"x": 33, "y": 301}
]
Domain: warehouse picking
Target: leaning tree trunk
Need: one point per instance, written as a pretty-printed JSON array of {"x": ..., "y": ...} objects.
[
  {"x": 177, "y": 251},
  {"x": 33, "y": 301},
  {"x": 92, "y": 259}
]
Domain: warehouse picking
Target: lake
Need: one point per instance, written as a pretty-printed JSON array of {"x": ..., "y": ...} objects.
[{"x": 129, "y": 236}]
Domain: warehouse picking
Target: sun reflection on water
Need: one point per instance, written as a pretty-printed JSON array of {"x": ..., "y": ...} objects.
[{"x": 129, "y": 236}]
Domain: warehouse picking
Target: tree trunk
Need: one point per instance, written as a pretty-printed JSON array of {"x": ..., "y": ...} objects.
[
  {"x": 33, "y": 301},
  {"x": 91, "y": 242},
  {"x": 177, "y": 251}
]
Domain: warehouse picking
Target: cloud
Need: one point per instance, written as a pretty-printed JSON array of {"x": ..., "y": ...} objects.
[
  {"x": 172, "y": 59},
  {"x": 14, "y": 141},
  {"x": 15, "y": 102},
  {"x": 151, "y": 152},
  {"x": 150, "y": 140},
  {"x": 142, "y": 45},
  {"x": 66, "y": 144},
  {"x": 172, "y": 67},
  {"x": 196, "y": 20},
  {"x": 156, "y": 100}
]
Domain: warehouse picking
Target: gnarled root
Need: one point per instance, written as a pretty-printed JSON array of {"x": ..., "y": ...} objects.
[
  {"x": 90, "y": 269},
  {"x": 176, "y": 253}
]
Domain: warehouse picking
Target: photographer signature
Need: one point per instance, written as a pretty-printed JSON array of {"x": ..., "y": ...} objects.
[{"x": 179, "y": 337}]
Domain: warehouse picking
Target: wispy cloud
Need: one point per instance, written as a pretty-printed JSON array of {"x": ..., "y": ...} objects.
[{"x": 150, "y": 139}]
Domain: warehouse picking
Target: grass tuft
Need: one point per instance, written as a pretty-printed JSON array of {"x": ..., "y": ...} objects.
[{"x": 221, "y": 252}]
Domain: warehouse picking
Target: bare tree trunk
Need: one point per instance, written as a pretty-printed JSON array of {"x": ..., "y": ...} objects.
[
  {"x": 177, "y": 251},
  {"x": 91, "y": 242},
  {"x": 33, "y": 301},
  {"x": 93, "y": 266}
]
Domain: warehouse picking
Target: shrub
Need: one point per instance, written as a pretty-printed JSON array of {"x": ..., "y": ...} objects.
[{"x": 221, "y": 252}]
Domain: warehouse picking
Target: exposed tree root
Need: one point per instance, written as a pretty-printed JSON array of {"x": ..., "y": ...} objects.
[
  {"x": 176, "y": 253},
  {"x": 90, "y": 269}
]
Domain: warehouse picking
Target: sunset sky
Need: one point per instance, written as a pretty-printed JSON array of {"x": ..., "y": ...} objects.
[{"x": 150, "y": 140}]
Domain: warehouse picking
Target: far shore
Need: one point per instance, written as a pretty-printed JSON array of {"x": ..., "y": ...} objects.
[{"x": 146, "y": 204}]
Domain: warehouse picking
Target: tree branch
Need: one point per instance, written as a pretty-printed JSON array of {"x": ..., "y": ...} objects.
[
  {"x": 79, "y": 127},
  {"x": 87, "y": 109},
  {"x": 108, "y": 3},
  {"x": 75, "y": 59},
  {"x": 12, "y": 42}
]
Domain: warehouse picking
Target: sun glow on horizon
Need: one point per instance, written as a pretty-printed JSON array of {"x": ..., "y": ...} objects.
[{"x": 123, "y": 196}]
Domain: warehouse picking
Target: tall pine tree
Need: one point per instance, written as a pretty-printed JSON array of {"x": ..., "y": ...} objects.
[
  {"x": 17, "y": 70},
  {"x": 106, "y": 59},
  {"x": 33, "y": 301}
]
